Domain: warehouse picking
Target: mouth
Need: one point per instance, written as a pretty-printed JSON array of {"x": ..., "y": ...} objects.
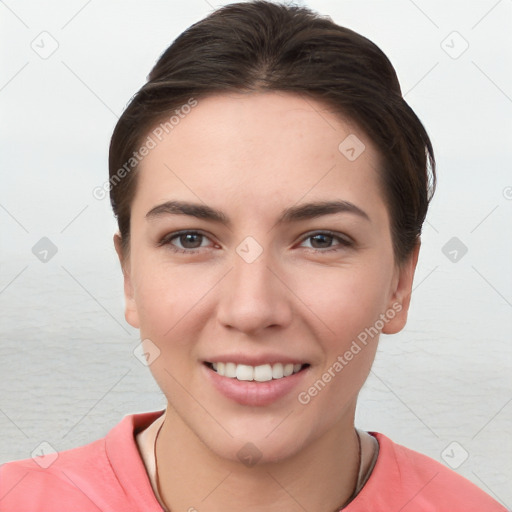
[
  {"x": 260, "y": 373},
  {"x": 267, "y": 382}
]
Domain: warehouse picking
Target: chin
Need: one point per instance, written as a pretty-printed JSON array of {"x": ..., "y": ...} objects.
[
  {"x": 258, "y": 441},
  {"x": 258, "y": 451}
]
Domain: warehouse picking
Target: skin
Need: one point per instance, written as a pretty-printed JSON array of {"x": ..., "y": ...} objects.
[{"x": 252, "y": 156}]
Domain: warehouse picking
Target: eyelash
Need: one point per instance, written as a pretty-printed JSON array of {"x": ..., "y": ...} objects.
[{"x": 343, "y": 242}]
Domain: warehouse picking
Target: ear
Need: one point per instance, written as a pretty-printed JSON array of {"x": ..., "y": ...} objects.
[
  {"x": 401, "y": 296},
  {"x": 130, "y": 307}
]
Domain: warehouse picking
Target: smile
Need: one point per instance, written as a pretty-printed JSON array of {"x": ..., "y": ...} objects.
[{"x": 261, "y": 373}]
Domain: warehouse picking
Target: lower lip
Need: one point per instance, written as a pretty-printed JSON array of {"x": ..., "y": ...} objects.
[{"x": 251, "y": 392}]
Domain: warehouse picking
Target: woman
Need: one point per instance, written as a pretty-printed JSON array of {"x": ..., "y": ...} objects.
[{"x": 270, "y": 185}]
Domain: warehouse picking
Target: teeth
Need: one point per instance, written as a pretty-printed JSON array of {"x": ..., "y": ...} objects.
[
  {"x": 230, "y": 370},
  {"x": 244, "y": 372},
  {"x": 262, "y": 373},
  {"x": 277, "y": 371},
  {"x": 288, "y": 369}
]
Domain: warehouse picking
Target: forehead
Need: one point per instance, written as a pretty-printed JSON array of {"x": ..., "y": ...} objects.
[{"x": 259, "y": 148}]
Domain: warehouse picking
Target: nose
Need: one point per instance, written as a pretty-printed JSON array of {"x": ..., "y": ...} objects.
[{"x": 254, "y": 297}]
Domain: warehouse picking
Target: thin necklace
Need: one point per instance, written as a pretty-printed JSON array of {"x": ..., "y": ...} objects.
[
  {"x": 355, "y": 492},
  {"x": 157, "y": 482},
  {"x": 359, "y": 473}
]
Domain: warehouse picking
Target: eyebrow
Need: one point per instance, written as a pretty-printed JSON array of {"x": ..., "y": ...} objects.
[{"x": 289, "y": 215}]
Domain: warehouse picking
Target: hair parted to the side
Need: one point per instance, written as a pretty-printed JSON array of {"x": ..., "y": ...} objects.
[{"x": 260, "y": 46}]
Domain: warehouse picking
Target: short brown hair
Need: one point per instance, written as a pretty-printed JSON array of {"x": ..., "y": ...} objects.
[{"x": 258, "y": 46}]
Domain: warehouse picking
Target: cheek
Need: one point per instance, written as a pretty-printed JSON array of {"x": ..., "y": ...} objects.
[
  {"x": 346, "y": 300},
  {"x": 169, "y": 306},
  {"x": 166, "y": 297}
]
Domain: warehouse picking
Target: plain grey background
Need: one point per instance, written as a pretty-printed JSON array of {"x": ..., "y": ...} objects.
[{"x": 68, "y": 372}]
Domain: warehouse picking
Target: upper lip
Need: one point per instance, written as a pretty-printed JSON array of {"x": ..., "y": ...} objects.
[{"x": 254, "y": 360}]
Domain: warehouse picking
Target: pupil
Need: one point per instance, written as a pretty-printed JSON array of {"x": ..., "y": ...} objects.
[
  {"x": 189, "y": 239},
  {"x": 325, "y": 238}
]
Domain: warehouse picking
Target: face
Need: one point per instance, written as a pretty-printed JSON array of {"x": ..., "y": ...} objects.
[{"x": 259, "y": 247}]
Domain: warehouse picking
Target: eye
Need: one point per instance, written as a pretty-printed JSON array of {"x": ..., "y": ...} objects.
[
  {"x": 189, "y": 242},
  {"x": 322, "y": 241},
  {"x": 185, "y": 241}
]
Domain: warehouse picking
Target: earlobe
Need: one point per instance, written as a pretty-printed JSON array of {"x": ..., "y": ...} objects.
[
  {"x": 130, "y": 310},
  {"x": 398, "y": 306}
]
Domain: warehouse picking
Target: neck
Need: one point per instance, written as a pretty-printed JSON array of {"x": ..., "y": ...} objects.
[{"x": 324, "y": 472}]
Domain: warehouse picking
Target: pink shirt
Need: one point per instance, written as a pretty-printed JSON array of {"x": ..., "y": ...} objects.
[{"x": 109, "y": 475}]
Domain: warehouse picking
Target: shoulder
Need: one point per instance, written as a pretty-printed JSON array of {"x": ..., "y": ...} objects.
[
  {"x": 411, "y": 481},
  {"x": 106, "y": 474},
  {"x": 50, "y": 479}
]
